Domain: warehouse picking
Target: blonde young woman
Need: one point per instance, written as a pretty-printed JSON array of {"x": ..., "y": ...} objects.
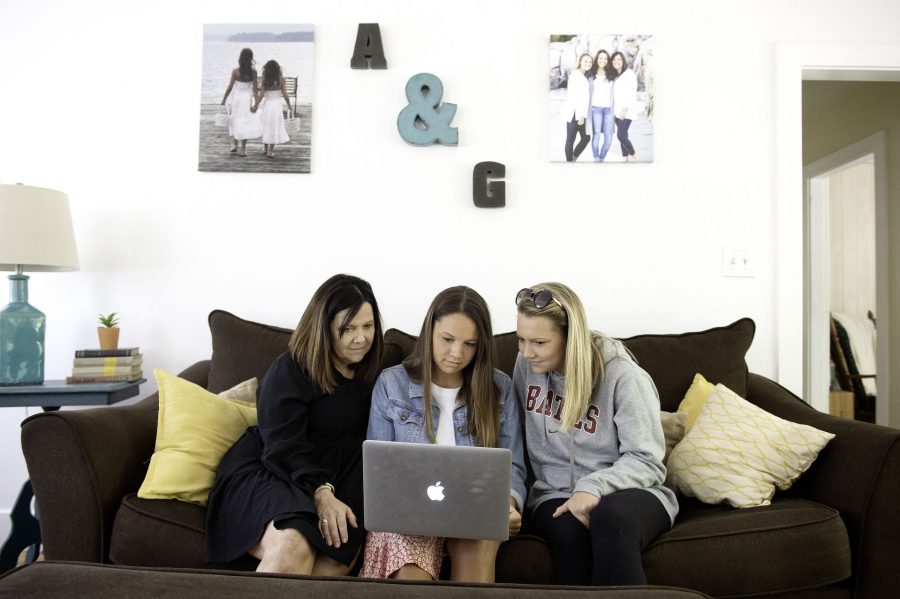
[
  {"x": 446, "y": 392},
  {"x": 289, "y": 491},
  {"x": 594, "y": 440}
]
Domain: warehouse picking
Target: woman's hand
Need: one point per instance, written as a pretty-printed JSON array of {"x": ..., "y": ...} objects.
[
  {"x": 334, "y": 518},
  {"x": 515, "y": 518},
  {"x": 580, "y": 505}
]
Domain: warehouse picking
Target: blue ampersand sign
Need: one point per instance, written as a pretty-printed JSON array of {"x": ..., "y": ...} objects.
[{"x": 424, "y": 92}]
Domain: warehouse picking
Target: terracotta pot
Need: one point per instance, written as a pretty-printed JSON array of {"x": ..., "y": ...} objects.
[{"x": 109, "y": 337}]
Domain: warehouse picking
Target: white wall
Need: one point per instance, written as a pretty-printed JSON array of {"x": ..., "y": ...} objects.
[{"x": 100, "y": 101}]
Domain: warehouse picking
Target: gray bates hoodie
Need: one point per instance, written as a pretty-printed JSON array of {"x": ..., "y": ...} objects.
[{"x": 618, "y": 444}]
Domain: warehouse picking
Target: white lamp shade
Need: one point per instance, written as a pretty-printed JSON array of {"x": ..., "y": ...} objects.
[{"x": 36, "y": 229}]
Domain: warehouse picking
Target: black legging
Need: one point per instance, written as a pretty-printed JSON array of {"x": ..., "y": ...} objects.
[
  {"x": 622, "y": 525},
  {"x": 572, "y": 127},
  {"x": 622, "y": 126}
]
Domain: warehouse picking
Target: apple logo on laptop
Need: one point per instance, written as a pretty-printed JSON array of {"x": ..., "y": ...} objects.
[{"x": 436, "y": 492}]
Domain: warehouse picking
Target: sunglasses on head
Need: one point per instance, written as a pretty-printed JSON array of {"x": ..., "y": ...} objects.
[{"x": 539, "y": 298}]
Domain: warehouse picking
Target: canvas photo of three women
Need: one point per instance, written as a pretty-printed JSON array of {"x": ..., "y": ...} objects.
[{"x": 601, "y": 98}]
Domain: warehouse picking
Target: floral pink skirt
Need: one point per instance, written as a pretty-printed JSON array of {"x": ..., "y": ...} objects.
[{"x": 387, "y": 552}]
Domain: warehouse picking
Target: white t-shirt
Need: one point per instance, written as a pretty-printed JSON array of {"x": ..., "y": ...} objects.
[{"x": 446, "y": 401}]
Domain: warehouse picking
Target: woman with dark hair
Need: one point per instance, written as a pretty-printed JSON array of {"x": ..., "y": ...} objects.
[
  {"x": 575, "y": 111},
  {"x": 602, "y": 76},
  {"x": 626, "y": 107},
  {"x": 446, "y": 392},
  {"x": 273, "y": 89},
  {"x": 289, "y": 492},
  {"x": 594, "y": 440},
  {"x": 242, "y": 123}
]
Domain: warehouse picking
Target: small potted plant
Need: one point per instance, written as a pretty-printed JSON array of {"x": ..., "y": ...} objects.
[{"x": 109, "y": 332}]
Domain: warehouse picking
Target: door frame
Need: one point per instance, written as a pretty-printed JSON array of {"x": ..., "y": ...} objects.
[{"x": 793, "y": 63}]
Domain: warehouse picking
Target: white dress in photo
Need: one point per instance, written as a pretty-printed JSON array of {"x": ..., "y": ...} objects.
[
  {"x": 273, "y": 130},
  {"x": 243, "y": 124}
]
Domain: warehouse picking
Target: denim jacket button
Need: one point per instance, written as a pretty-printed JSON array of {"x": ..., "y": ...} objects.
[
  {"x": 403, "y": 417},
  {"x": 459, "y": 429}
]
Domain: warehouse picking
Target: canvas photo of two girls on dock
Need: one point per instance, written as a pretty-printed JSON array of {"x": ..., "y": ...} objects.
[{"x": 256, "y": 98}]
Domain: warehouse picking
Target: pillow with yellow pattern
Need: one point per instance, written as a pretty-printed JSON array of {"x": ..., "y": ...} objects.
[{"x": 737, "y": 453}]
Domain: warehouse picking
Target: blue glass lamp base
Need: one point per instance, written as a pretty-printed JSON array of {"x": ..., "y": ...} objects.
[{"x": 22, "y": 328}]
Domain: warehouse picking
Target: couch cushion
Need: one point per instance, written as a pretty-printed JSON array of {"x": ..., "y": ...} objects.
[
  {"x": 397, "y": 345},
  {"x": 673, "y": 360},
  {"x": 506, "y": 348},
  {"x": 524, "y": 559},
  {"x": 788, "y": 545},
  {"x": 163, "y": 533},
  {"x": 242, "y": 349},
  {"x": 62, "y": 579}
]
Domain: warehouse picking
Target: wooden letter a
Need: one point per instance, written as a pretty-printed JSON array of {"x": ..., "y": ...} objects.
[{"x": 368, "y": 53}]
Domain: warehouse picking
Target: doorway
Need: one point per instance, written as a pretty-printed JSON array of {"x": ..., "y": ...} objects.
[
  {"x": 796, "y": 62},
  {"x": 844, "y": 266}
]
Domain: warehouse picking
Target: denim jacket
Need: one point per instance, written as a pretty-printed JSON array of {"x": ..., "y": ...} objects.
[{"x": 397, "y": 415}]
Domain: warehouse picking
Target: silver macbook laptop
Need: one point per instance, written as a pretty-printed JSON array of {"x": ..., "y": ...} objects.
[{"x": 424, "y": 489}]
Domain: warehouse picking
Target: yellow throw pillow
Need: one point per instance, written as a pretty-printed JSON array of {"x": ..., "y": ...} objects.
[
  {"x": 194, "y": 431},
  {"x": 738, "y": 453},
  {"x": 694, "y": 399}
]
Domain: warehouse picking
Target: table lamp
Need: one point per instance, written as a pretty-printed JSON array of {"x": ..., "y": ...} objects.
[{"x": 36, "y": 235}]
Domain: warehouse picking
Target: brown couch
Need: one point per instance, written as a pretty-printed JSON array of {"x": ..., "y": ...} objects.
[
  {"x": 835, "y": 533},
  {"x": 47, "y": 580}
]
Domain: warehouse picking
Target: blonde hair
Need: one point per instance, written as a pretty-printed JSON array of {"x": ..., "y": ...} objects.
[
  {"x": 583, "y": 359},
  {"x": 478, "y": 392}
]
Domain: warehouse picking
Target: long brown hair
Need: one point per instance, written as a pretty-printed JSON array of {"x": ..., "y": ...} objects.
[
  {"x": 478, "y": 390},
  {"x": 311, "y": 345},
  {"x": 245, "y": 65},
  {"x": 272, "y": 76}
]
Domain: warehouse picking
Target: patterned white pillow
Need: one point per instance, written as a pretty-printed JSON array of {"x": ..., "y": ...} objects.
[{"x": 739, "y": 454}]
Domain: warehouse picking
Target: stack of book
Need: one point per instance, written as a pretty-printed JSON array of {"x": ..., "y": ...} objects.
[{"x": 106, "y": 365}]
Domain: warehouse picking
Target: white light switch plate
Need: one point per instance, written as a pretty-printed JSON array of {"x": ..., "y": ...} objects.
[{"x": 737, "y": 262}]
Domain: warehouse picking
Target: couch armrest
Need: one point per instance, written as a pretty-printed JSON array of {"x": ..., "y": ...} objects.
[
  {"x": 83, "y": 462},
  {"x": 858, "y": 473},
  {"x": 197, "y": 373}
]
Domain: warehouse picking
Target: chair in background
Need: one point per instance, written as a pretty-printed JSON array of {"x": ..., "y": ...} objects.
[
  {"x": 290, "y": 88},
  {"x": 847, "y": 372}
]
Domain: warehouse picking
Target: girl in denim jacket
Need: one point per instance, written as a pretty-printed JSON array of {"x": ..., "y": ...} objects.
[{"x": 447, "y": 392}]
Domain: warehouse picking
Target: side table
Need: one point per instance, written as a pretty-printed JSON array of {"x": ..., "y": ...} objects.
[{"x": 51, "y": 395}]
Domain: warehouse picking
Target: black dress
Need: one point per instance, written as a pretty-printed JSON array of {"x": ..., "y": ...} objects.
[{"x": 304, "y": 438}]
